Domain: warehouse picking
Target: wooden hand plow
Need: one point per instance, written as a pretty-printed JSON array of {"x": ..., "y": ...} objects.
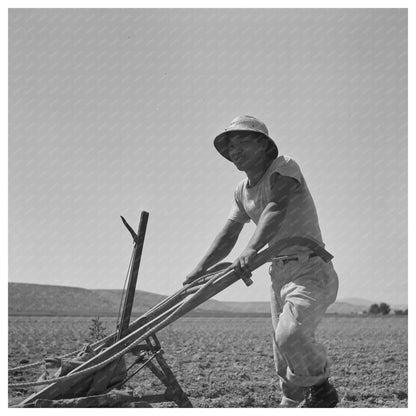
[{"x": 92, "y": 381}]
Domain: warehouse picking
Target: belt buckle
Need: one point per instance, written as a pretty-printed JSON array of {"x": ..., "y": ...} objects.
[
  {"x": 281, "y": 260},
  {"x": 285, "y": 260}
]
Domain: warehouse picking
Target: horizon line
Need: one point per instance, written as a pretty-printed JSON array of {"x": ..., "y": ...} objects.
[{"x": 242, "y": 301}]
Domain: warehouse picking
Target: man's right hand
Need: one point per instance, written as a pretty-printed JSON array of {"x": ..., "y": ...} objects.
[
  {"x": 220, "y": 248},
  {"x": 198, "y": 272}
]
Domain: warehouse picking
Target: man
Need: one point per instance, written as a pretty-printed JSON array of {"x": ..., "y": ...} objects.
[{"x": 274, "y": 195}]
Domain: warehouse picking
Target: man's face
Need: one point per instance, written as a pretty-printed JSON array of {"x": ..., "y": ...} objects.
[{"x": 247, "y": 150}]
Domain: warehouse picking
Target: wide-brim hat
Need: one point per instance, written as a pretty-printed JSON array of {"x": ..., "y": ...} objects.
[{"x": 244, "y": 124}]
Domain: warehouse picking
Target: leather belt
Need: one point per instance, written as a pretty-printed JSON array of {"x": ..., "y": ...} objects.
[{"x": 293, "y": 257}]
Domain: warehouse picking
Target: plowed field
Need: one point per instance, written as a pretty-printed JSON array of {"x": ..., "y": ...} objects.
[{"x": 228, "y": 362}]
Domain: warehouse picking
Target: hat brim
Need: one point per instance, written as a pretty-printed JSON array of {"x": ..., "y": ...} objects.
[{"x": 221, "y": 143}]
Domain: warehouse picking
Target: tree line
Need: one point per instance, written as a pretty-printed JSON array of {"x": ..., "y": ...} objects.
[{"x": 383, "y": 309}]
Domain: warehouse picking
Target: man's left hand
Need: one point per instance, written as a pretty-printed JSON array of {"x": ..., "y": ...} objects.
[{"x": 240, "y": 264}]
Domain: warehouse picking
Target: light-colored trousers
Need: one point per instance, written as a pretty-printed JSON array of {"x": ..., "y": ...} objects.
[{"x": 301, "y": 293}]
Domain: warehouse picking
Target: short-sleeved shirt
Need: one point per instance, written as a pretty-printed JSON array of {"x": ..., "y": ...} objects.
[{"x": 301, "y": 218}]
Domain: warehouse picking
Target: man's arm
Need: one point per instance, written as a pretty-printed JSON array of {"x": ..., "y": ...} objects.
[
  {"x": 270, "y": 220},
  {"x": 220, "y": 248}
]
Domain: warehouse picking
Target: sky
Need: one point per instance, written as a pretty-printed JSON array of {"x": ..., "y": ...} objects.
[{"x": 114, "y": 111}]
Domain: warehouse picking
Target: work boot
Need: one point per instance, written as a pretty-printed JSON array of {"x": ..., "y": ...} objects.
[
  {"x": 321, "y": 395},
  {"x": 285, "y": 402},
  {"x": 292, "y": 395}
]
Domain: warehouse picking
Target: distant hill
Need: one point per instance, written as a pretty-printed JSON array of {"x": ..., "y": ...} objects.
[
  {"x": 357, "y": 301},
  {"x": 35, "y": 299},
  {"x": 257, "y": 307},
  {"x": 340, "y": 307}
]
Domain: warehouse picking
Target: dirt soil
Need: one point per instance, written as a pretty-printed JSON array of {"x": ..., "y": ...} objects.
[{"x": 228, "y": 362}]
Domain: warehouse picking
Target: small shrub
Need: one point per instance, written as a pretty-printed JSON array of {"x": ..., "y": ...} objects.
[
  {"x": 97, "y": 330},
  {"x": 384, "y": 308},
  {"x": 374, "y": 309},
  {"x": 400, "y": 312}
]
